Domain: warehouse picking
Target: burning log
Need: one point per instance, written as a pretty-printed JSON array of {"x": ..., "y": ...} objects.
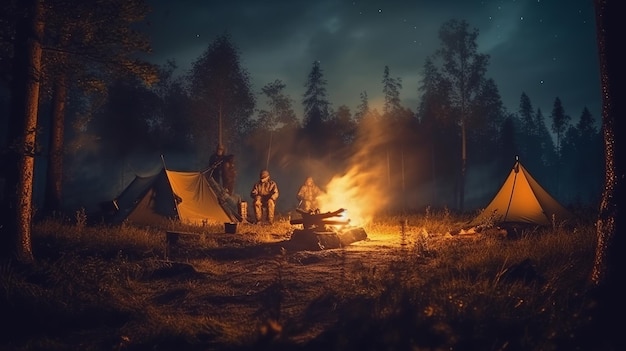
[
  {"x": 319, "y": 233},
  {"x": 314, "y": 219}
]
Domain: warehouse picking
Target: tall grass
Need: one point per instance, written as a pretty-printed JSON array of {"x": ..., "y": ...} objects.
[
  {"x": 109, "y": 287},
  {"x": 477, "y": 293}
]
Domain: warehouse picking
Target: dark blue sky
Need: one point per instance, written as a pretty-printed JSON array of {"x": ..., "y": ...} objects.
[{"x": 546, "y": 48}]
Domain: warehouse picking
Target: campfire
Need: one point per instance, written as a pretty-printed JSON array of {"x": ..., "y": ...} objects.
[
  {"x": 325, "y": 231},
  {"x": 357, "y": 194},
  {"x": 315, "y": 220},
  {"x": 360, "y": 193}
]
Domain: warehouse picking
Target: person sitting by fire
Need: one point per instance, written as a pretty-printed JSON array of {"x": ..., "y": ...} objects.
[
  {"x": 308, "y": 195},
  {"x": 264, "y": 193}
]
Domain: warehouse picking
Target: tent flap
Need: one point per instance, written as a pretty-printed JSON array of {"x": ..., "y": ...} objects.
[{"x": 198, "y": 203}]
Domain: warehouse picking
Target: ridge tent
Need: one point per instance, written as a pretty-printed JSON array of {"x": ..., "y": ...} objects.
[
  {"x": 167, "y": 195},
  {"x": 521, "y": 199}
]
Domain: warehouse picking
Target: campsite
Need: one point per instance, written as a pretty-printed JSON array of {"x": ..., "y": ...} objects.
[
  {"x": 313, "y": 175},
  {"x": 174, "y": 261}
]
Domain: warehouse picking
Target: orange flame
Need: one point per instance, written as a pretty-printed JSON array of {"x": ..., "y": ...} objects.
[{"x": 358, "y": 192}]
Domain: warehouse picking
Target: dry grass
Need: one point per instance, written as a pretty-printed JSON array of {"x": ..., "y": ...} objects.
[{"x": 417, "y": 282}]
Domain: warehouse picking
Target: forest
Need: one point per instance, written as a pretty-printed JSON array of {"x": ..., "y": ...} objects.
[{"x": 104, "y": 116}]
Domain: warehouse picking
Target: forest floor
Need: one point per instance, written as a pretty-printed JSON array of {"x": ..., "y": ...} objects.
[{"x": 420, "y": 284}]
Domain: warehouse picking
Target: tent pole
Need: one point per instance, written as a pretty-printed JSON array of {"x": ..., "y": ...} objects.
[
  {"x": 404, "y": 197},
  {"x": 170, "y": 184},
  {"x": 163, "y": 160},
  {"x": 515, "y": 167},
  {"x": 269, "y": 151}
]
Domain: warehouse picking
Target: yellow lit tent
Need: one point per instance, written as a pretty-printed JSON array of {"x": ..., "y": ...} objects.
[
  {"x": 522, "y": 200},
  {"x": 173, "y": 195}
]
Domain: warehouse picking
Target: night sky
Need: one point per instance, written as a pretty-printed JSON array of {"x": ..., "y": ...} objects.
[{"x": 546, "y": 48}]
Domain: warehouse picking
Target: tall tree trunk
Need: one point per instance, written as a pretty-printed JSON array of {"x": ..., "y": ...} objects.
[
  {"x": 54, "y": 176},
  {"x": 611, "y": 225},
  {"x": 16, "y": 228},
  {"x": 10, "y": 173},
  {"x": 611, "y": 221}
]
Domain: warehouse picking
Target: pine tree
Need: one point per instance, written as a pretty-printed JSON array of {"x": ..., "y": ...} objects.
[
  {"x": 535, "y": 142},
  {"x": 581, "y": 159},
  {"x": 545, "y": 159},
  {"x": 391, "y": 90},
  {"x": 316, "y": 109},
  {"x": 560, "y": 122},
  {"x": 363, "y": 109},
  {"x": 528, "y": 130},
  {"x": 315, "y": 101}
]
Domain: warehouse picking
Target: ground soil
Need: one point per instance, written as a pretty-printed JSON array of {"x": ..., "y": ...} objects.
[{"x": 240, "y": 281}]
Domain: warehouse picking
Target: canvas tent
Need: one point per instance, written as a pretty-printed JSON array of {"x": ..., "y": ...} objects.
[
  {"x": 522, "y": 200},
  {"x": 172, "y": 195}
]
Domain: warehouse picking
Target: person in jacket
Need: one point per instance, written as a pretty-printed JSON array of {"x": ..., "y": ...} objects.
[{"x": 264, "y": 194}]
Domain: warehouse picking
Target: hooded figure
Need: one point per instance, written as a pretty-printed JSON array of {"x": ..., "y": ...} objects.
[
  {"x": 308, "y": 194},
  {"x": 229, "y": 173},
  {"x": 216, "y": 163},
  {"x": 264, "y": 193}
]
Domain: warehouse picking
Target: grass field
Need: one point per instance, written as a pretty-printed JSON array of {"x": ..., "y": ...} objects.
[{"x": 418, "y": 282}]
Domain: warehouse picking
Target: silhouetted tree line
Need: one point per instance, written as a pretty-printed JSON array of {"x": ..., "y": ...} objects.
[
  {"x": 454, "y": 150},
  {"x": 104, "y": 113}
]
